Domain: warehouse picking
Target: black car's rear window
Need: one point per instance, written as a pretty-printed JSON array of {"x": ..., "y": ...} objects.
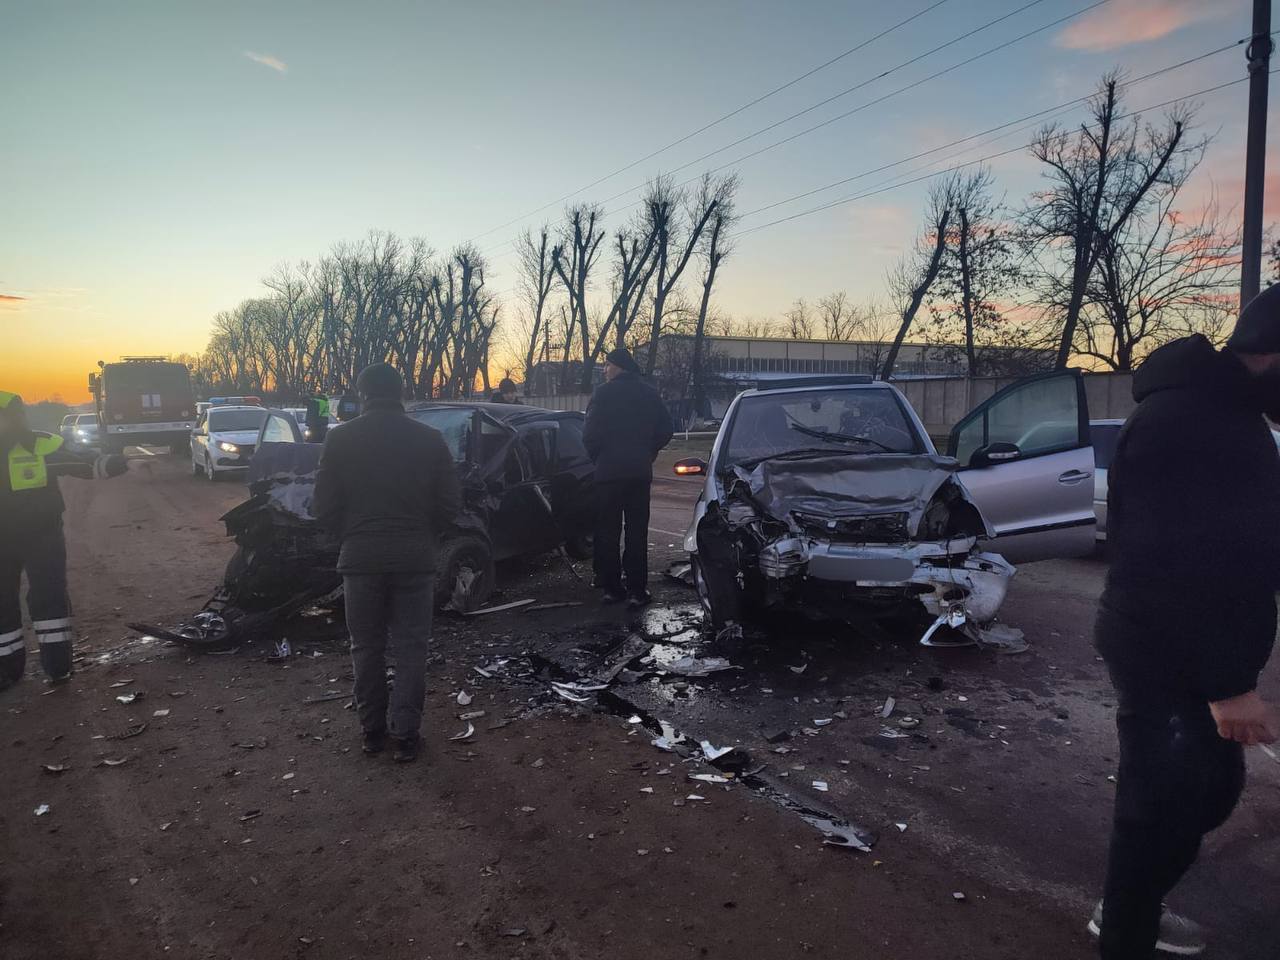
[{"x": 1104, "y": 437}]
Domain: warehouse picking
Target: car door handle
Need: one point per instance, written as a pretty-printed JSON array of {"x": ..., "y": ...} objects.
[{"x": 1074, "y": 476}]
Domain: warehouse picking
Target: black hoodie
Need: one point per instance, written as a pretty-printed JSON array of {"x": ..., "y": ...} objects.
[{"x": 1193, "y": 529}]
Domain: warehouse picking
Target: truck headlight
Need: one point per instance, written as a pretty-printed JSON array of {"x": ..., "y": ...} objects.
[{"x": 228, "y": 447}]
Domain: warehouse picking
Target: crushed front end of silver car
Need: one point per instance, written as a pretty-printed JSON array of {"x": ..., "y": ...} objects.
[{"x": 862, "y": 539}]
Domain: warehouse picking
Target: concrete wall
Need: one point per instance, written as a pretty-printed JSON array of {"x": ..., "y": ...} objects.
[{"x": 943, "y": 401}]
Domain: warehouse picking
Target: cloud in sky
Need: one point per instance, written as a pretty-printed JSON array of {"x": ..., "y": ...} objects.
[
  {"x": 9, "y": 301},
  {"x": 1125, "y": 22},
  {"x": 275, "y": 63}
]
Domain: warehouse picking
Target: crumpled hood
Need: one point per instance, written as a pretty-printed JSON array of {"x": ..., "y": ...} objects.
[
  {"x": 1189, "y": 362},
  {"x": 846, "y": 485}
]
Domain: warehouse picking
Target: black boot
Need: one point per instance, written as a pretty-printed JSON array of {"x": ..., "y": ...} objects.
[
  {"x": 374, "y": 741},
  {"x": 404, "y": 749}
]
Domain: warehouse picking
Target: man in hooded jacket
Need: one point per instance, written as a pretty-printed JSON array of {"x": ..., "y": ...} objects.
[{"x": 1188, "y": 616}]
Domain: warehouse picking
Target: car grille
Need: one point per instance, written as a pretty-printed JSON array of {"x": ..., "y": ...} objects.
[{"x": 870, "y": 528}]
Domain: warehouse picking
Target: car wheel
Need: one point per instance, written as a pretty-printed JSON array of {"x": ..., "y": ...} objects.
[
  {"x": 581, "y": 547},
  {"x": 464, "y": 561},
  {"x": 209, "y": 472}
]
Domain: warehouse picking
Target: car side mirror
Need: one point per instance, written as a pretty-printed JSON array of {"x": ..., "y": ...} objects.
[
  {"x": 690, "y": 467},
  {"x": 1002, "y": 451}
]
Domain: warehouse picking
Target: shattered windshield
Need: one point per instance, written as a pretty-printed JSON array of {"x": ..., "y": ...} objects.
[
  {"x": 454, "y": 424},
  {"x": 229, "y": 421},
  {"x": 862, "y": 421}
]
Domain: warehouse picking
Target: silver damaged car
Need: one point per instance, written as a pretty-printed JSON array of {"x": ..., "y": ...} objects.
[{"x": 825, "y": 497}]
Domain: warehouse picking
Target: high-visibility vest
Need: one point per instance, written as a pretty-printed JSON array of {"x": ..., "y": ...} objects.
[{"x": 27, "y": 468}]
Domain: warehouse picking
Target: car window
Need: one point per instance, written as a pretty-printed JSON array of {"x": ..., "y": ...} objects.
[
  {"x": 772, "y": 424},
  {"x": 454, "y": 424},
  {"x": 1040, "y": 417},
  {"x": 540, "y": 446},
  {"x": 278, "y": 431},
  {"x": 569, "y": 444},
  {"x": 69, "y": 419},
  {"x": 226, "y": 421},
  {"x": 1103, "y": 436},
  {"x": 87, "y": 420}
]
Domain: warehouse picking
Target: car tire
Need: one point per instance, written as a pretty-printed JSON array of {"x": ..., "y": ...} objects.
[
  {"x": 581, "y": 547},
  {"x": 460, "y": 553}
]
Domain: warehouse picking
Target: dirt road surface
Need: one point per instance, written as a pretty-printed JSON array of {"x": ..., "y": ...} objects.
[{"x": 243, "y": 821}]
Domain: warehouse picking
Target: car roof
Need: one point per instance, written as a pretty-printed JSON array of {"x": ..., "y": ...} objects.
[
  {"x": 821, "y": 383},
  {"x": 507, "y": 412},
  {"x": 223, "y": 408}
]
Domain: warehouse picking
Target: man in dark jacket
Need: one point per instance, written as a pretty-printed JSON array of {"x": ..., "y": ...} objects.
[
  {"x": 627, "y": 424},
  {"x": 506, "y": 392},
  {"x": 388, "y": 488},
  {"x": 31, "y": 538},
  {"x": 1188, "y": 615}
]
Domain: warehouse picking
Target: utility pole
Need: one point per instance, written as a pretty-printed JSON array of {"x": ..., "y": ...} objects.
[{"x": 1259, "y": 58}]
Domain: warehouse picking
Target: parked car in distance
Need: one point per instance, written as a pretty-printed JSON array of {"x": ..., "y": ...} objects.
[
  {"x": 66, "y": 429},
  {"x": 224, "y": 439},
  {"x": 86, "y": 431},
  {"x": 825, "y": 496},
  {"x": 527, "y": 485}
]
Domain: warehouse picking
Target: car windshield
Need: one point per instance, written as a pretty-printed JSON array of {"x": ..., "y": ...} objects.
[
  {"x": 227, "y": 421},
  {"x": 87, "y": 420},
  {"x": 865, "y": 421},
  {"x": 454, "y": 423}
]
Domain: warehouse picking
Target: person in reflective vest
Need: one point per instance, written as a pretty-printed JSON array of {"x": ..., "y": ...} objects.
[{"x": 31, "y": 538}]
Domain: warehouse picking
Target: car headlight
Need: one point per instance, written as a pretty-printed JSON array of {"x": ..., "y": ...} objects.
[
  {"x": 82, "y": 432},
  {"x": 228, "y": 447}
]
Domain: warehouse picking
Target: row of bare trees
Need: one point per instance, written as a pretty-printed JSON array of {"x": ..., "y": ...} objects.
[
  {"x": 381, "y": 299},
  {"x": 1103, "y": 262}
]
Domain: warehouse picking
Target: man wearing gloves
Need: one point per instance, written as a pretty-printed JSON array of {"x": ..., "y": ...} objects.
[
  {"x": 1188, "y": 616},
  {"x": 31, "y": 539}
]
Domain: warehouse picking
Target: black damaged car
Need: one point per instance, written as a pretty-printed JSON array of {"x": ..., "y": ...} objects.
[{"x": 527, "y": 486}]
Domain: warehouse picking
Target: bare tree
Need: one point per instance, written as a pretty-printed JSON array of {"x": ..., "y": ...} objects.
[
  {"x": 799, "y": 321},
  {"x": 582, "y": 236},
  {"x": 675, "y": 243},
  {"x": 1101, "y": 175},
  {"x": 841, "y": 320},
  {"x": 718, "y": 195},
  {"x": 910, "y": 281},
  {"x": 1160, "y": 277},
  {"x": 536, "y": 277}
]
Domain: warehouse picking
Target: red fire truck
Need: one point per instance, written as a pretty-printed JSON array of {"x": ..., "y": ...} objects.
[{"x": 144, "y": 401}]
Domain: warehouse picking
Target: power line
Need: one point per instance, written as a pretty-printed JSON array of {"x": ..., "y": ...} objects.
[
  {"x": 967, "y": 163},
  {"x": 721, "y": 119},
  {"x": 848, "y": 113},
  {"x": 879, "y": 76},
  {"x": 990, "y": 130}
]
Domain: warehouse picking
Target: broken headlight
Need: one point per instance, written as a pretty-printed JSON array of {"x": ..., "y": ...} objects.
[{"x": 783, "y": 558}]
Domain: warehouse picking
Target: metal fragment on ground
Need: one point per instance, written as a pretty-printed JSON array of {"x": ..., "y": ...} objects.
[
  {"x": 514, "y": 605},
  {"x": 41, "y": 810},
  {"x": 466, "y": 734},
  {"x": 712, "y": 752},
  {"x": 129, "y": 698},
  {"x": 691, "y": 666},
  {"x": 887, "y": 710},
  {"x": 464, "y": 698}
]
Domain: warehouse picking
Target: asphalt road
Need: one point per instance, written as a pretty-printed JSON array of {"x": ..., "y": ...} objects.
[{"x": 244, "y": 823}]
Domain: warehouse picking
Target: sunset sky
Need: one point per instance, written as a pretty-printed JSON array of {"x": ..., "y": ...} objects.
[{"x": 159, "y": 158}]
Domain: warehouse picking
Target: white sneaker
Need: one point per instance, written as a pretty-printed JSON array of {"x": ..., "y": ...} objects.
[{"x": 1178, "y": 935}]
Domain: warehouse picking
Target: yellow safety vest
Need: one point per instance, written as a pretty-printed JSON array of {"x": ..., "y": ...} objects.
[{"x": 27, "y": 469}]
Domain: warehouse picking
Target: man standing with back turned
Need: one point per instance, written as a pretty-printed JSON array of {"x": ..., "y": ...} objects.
[
  {"x": 388, "y": 488},
  {"x": 1188, "y": 616},
  {"x": 627, "y": 424}
]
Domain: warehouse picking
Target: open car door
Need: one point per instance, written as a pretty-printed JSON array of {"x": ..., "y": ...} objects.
[
  {"x": 524, "y": 523},
  {"x": 1026, "y": 459}
]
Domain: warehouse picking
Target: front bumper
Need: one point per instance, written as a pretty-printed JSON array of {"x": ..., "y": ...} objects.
[{"x": 944, "y": 578}]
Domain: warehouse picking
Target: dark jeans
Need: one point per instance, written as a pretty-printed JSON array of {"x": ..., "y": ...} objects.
[
  {"x": 43, "y": 555},
  {"x": 622, "y": 503},
  {"x": 389, "y": 609},
  {"x": 1178, "y": 780}
]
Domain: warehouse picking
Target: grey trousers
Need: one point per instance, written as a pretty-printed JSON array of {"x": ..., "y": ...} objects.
[
  {"x": 389, "y": 610},
  {"x": 43, "y": 555}
]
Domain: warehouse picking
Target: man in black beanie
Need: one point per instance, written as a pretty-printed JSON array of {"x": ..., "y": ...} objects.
[
  {"x": 1188, "y": 616},
  {"x": 627, "y": 424},
  {"x": 388, "y": 488}
]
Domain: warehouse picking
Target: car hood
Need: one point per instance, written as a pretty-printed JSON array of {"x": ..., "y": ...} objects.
[
  {"x": 844, "y": 485},
  {"x": 234, "y": 436}
]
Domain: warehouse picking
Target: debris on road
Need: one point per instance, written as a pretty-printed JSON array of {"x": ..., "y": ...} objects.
[
  {"x": 41, "y": 810},
  {"x": 514, "y": 605},
  {"x": 908, "y": 723},
  {"x": 128, "y": 698},
  {"x": 56, "y": 767},
  {"x": 820, "y": 786},
  {"x": 161, "y": 713},
  {"x": 466, "y": 734},
  {"x": 691, "y": 666},
  {"x": 887, "y": 710},
  {"x": 464, "y": 699}
]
